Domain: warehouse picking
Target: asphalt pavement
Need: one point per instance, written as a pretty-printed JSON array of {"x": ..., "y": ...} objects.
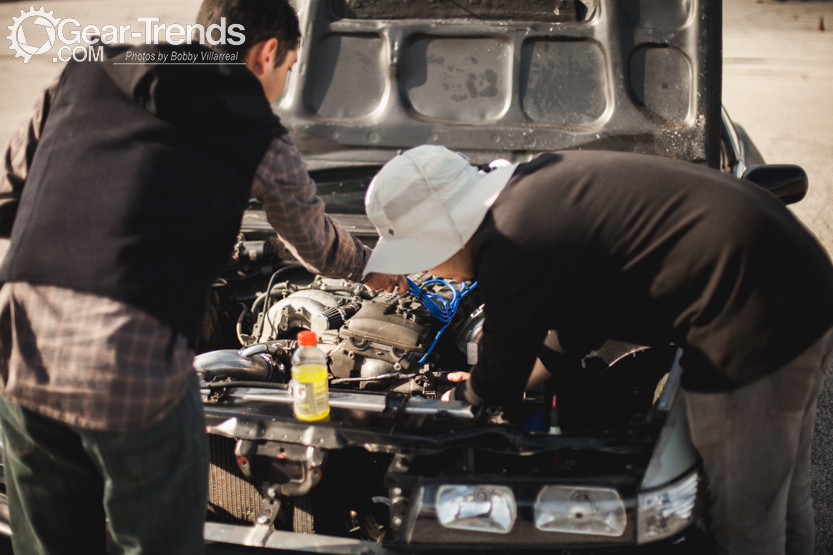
[{"x": 778, "y": 84}]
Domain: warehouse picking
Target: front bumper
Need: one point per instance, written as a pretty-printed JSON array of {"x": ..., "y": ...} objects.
[
  {"x": 224, "y": 539},
  {"x": 227, "y": 539},
  {"x": 223, "y": 536}
]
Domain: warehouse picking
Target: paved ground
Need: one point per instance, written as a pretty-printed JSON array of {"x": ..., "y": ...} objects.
[{"x": 778, "y": 83}]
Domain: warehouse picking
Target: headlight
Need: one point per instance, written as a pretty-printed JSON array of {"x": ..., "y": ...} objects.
[
  {"x": 480, "y": 508},
  {"x": 597, "y": 511},
  {"x": 666, "y": 511}
]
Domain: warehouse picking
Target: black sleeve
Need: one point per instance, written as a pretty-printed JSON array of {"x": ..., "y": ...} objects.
[{"x": 514, "y": 326}]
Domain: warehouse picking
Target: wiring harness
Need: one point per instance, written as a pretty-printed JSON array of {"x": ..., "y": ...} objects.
[{"x": 439, "y": 307}]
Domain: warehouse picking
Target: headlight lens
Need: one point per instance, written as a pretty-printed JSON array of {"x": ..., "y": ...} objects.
[
  {"x": 664, "y": 512},
  {"x": 482, "y": 508},
  {"x": 596, "y": 511}
]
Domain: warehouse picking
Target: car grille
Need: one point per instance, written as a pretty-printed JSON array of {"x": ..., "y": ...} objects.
[
  {"x": 231, "y": 498},
  {"x": 354, "y": 477}
]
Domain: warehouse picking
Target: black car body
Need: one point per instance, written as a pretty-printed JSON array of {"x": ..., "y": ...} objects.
[{"x": 394, "y": 469}]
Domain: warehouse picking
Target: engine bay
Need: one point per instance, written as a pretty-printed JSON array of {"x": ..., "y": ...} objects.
[
  {"x": 374, "y": 341},
  {"x": 397, "y": 344}
]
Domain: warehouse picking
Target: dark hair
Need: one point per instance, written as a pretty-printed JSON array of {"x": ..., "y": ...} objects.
[{"x": 262, "y": 20}]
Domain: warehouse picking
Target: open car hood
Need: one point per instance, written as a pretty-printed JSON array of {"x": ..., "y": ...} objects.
[{"x": 503, "y": 78}]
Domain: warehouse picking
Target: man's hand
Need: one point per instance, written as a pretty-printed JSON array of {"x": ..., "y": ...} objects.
[
  {"x": 387, "y": 282},
  {"x": 454, "y": 377}
]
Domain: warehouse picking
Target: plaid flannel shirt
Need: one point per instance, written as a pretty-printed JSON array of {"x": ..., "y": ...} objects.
[{"x": 100, "y": 364}]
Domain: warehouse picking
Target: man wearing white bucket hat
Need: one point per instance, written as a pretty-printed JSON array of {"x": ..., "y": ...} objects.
[{"x": 647, "y": 250}]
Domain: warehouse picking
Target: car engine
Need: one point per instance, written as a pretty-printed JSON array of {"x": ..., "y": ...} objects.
[
  {"x": 378, "y": 342},
  {"x": 375, "y": 341}
]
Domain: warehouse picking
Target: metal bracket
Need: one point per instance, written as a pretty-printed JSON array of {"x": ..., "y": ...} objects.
[
  {"x": 283, "y": 469},
  {"x": 262, "y": 529},
  {"x": 268, "y": 511},
  {"x": 244, "y": 451}
]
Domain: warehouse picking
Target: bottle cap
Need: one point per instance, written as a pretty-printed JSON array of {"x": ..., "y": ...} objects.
[{"x": 307, "y": 339}]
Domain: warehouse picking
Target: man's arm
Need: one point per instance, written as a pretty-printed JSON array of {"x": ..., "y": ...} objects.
[
  {"x": 18, "y": 159},
  {"x": 289, "y": 198},
  {"x": 513, "y": 331}
]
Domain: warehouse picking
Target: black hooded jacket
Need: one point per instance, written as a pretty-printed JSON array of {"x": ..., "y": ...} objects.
[{"x": 139, "y": 181}]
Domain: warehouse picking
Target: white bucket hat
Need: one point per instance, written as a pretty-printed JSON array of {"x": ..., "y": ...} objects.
[{"x": 426, "y": 204}]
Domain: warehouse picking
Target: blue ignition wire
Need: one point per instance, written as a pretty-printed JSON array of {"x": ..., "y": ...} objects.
[{"x": 441, "y": 309}]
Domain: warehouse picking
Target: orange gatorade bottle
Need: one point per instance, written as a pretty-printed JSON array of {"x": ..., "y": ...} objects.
[{"x": 310, "y": 390}]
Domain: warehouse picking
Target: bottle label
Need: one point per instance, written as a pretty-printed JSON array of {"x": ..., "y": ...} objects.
[
  {"x": 310, "y": 397},
  {"x": 310, "y": 393}
]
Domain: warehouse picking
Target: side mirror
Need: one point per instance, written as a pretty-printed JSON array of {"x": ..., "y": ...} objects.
[{"x": 787, "y": 182}]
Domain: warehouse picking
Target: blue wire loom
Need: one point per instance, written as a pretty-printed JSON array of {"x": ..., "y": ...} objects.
[{"x": 440, "y": 308}]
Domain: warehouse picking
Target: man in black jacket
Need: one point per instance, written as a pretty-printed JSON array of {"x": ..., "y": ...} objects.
[
  {"x": 124, "y": 195},
  {"x": 646, "y": 250}
]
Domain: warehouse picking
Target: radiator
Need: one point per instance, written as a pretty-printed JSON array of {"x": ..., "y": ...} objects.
[{"x": 231, "y": 498}]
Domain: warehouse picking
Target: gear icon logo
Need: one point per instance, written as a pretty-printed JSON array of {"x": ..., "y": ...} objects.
[{"x": 18, "y": 38}]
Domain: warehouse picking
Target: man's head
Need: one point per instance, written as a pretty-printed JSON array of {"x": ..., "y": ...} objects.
[
  {"x": 426, "y": 204},
  {"x": 272, "y": 33}
]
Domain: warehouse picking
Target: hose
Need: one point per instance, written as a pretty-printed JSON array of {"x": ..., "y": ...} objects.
[
  {"x": 396, "y": 375},
  {"x": 267, "y": 304},
  {"x": 232, "y": 384},
  {"x": 260, "y": 298},
  {"x": 239, "y": 327}
]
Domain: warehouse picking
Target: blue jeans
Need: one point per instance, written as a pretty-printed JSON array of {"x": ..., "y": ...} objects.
[{"x": 151, "y": 484}]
